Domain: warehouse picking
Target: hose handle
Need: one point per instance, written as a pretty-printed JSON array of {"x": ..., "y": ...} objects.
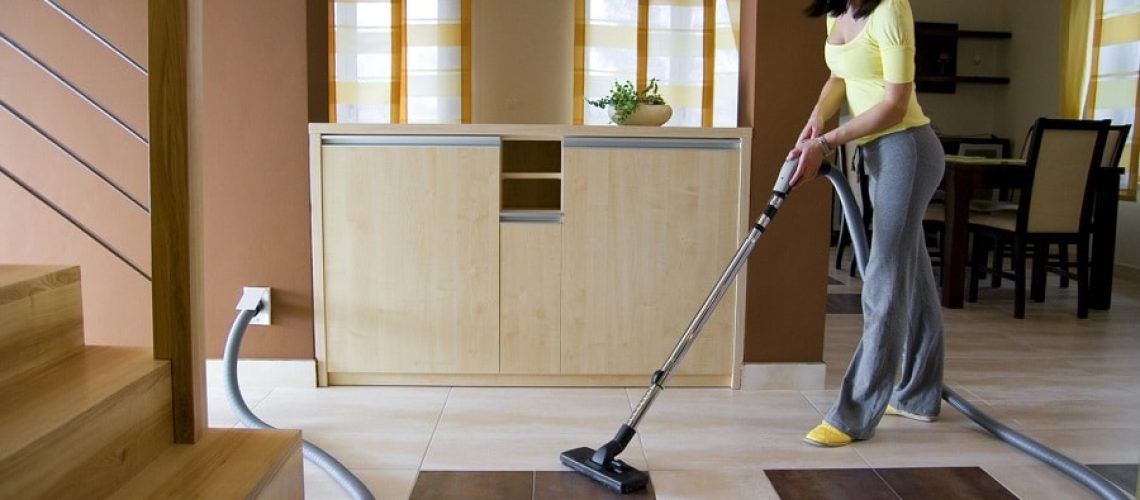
[{"x": 784, "y": 178}]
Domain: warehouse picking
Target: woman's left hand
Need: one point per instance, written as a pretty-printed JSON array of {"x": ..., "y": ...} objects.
[{"x": 810, "y": 154}]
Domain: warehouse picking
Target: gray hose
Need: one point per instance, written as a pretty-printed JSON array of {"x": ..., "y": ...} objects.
[
  {"x": 1075, "y": 470},
  {"x": 351, "y": 484}
]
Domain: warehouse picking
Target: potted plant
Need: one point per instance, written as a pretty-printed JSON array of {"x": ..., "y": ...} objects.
[{"x": 628, "y": 106}]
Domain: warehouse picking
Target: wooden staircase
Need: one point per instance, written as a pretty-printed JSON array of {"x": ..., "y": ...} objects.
[{"x": 80, "y": 421}]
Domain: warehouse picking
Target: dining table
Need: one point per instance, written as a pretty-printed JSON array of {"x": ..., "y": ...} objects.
[{"x": 966, "y": 174}]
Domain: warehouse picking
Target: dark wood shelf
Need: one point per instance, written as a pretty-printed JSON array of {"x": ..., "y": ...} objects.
[{"x": 936, "y": 57}]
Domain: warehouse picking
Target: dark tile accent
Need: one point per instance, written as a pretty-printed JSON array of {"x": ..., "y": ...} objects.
[
  {"x": 431, "y": 485},
  {"x": 574, "y": 486},
  {"x": 937, "y": 483},
  {"x": 1122, "y": 475},
  {"x": 844, "y": 303},
  {"x": 833, "y": 281},
  {"x": 829, "y": 484}
]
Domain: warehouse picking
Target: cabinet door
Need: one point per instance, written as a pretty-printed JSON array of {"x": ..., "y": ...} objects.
[
  {"x": 411, "y": 255},
  {"x": 648, "y": 227}
]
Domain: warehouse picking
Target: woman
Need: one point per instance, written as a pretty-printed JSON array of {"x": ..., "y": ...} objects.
[{"x": 897, "y": 368}]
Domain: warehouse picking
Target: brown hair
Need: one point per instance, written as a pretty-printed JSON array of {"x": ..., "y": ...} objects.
[{"x": 835, "y": 8}]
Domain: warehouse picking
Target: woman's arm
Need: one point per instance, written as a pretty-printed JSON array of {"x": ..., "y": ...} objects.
[
  {"x": 886, "y": 114},
  {"x": 881, "y": 116},
  {"x": 832, "y": 95}
]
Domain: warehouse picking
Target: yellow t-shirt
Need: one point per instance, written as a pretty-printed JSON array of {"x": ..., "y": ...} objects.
[{"x": 883, "y": 52}]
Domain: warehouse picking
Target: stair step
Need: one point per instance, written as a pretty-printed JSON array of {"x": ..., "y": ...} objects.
[
  {"x": 84, "y": 425},
  {"x": 225, "y": 463},
  {"x": 42, "y": 313}
]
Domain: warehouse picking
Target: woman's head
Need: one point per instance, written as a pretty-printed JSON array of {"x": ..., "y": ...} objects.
[{"x": 834, "y": 8}]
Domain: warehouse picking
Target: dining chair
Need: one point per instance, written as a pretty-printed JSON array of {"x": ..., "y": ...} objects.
[
  {"x": 1054, "y": 206},
  {"x": 1113, "y": 151}
]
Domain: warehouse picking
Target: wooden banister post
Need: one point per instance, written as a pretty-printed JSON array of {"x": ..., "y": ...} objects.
[{"x": 174, "y": 338}]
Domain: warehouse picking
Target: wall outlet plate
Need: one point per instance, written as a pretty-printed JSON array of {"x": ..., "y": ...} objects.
[{"x": 251, "y": 295}]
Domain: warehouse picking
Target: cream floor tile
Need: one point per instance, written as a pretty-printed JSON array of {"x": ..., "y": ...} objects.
[
  {"x": 1124, "y": 363},
  {"x": 384, "y": 484},
  {"x": 718, "y": 484},
  {"x": 524, "y": 451},
  {"x": 712, "y": 448},
  {"x": 1092, "y": 446},
  {"x": 1069, "y": 414},
  {"x": 996, "y": 387},
  {"x": 526, "y": 428},
  {"x": 511, "y": 410},
  {"x": 915, "y": 447},
  {"x": 351, "y": 408},
  {"x": 726, "y": 430},
  {"x": 974, "y": 365},
  {"x": 1038, "y": 481},
  {"x": 218, "y": 410},
  {"x": 679, "y": 407},
  {"x": 373, "y": 448}
]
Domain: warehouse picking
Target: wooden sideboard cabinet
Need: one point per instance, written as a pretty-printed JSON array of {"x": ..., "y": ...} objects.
[{"x": 524, "y": 255}]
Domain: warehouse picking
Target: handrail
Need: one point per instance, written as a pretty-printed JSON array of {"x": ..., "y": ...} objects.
[
  {"x": 90, "y": 168},
  {"x": 102, "y": 39},
  {"x": 74, "y": 89},
  {"x": 75, "y": 222}
]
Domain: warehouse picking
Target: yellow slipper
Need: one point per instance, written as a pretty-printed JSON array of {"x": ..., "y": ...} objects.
[
  {"x": 913, "y": 416},
  {"x": 827, "y": 436}
]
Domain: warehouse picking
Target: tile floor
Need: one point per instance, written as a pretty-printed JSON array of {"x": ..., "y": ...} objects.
[{"x": 1072, "y": 384}]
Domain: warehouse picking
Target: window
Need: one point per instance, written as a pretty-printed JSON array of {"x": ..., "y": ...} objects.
[
  {"x": 689, "y": 46},
  {"x": 402, "y": 61},
  {"x": 1111, "y": 86}
]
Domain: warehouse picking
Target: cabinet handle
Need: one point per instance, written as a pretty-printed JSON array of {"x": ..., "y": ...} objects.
[
  {"x": 531, "y": 216},
  {"x": 650, "y": 143},
  {"x": 472, "y": 141}
]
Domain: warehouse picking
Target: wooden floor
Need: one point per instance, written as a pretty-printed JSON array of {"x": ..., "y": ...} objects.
[{"x": 1072, "y": 384}]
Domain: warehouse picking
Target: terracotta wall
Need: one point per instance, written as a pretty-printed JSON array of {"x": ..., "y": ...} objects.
[
  {"x": 73, "y": 154},
  {"x": 781, "y": 72},
  {"x": 254, "y": 174}
]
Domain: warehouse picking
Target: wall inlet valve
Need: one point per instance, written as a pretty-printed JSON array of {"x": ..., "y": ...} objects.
[{"x": 251, "y": 297}]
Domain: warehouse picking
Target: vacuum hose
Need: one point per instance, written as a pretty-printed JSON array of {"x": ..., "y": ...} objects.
[
  {"x": 1075, "y": 470},
  {"x": 311, "y": 452}
]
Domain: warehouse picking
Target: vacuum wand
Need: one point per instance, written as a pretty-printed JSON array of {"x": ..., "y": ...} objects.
[{"x": 602, "y": 465}]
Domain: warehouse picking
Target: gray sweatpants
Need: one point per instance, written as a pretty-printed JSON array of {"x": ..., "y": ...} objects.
[{"x": 899, "y": 359}]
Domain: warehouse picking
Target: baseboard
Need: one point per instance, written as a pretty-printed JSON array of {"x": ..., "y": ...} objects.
[
  {"x": 783, "y": 376},
  {"x": 1128, "y": 273},
  {"x": 266, "y": 373}
]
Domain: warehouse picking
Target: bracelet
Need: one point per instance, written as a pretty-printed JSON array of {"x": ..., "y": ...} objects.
[{"x": 822, "y": 141}]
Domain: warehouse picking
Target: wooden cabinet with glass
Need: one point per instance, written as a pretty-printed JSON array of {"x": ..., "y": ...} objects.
[{"x": 524, "y": 255}]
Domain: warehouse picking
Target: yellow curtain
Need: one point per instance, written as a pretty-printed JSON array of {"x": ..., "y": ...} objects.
[
  {"x": 689, "y": 46},
  {"x": 401, "y": 61},
  {"x": 1075, "y": 16},
  {"x": 1113, "y": 89}
]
